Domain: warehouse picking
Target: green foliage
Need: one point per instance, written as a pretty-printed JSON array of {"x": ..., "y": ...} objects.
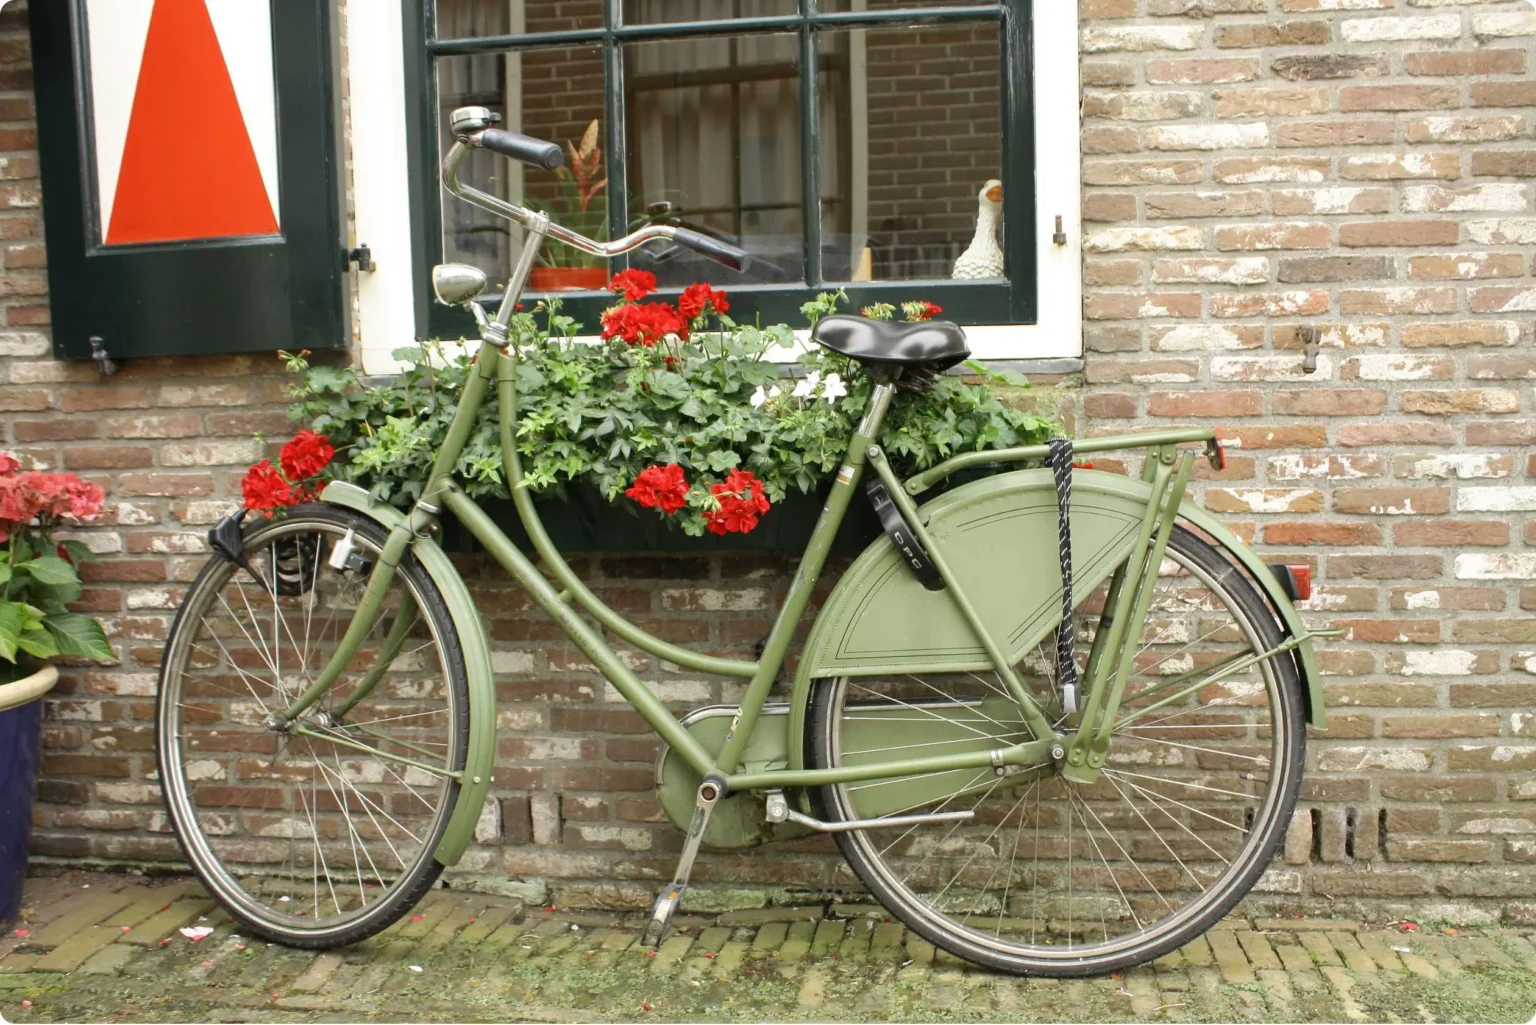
[
  {"x": 34, "y": 592},
  {"x": 602, "y": 412}
]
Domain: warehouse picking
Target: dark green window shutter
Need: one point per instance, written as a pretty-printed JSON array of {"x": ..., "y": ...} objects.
[{"x": 192, "y": 204}]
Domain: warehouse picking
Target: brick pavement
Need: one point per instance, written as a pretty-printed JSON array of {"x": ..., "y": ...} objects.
[{"x": 96, "y": 947}]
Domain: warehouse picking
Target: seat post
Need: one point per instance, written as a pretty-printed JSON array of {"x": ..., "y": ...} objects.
[{"x": 879, "y": 405}]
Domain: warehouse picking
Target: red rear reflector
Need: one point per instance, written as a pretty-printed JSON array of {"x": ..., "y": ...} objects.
[
  {"x": 1082, "y": 466},
  {"x": 1218, "y": 455},
  {"x": 1302, "y": 576}
]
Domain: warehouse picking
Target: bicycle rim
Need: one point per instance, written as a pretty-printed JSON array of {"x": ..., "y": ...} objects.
[
  {"x": 1062, "y": 878},
  {"x": 314, "y": 840}
]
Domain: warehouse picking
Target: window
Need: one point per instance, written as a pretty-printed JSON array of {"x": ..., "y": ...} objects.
[{"x": 846, "y": 143}]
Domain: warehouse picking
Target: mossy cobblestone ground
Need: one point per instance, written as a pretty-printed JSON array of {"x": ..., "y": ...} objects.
[{"x": 97, "y": 947}]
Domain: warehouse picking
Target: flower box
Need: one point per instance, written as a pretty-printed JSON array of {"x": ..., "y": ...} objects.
[
  {"x": 587, "y": 522},
  {"x": 679, "y": 413}
]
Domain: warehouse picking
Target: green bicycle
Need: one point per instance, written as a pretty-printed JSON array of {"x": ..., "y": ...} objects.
[{"x": 1056, "y": 719}]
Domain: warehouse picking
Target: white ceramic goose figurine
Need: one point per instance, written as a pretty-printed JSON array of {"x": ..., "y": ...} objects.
[{"x": 984, "y": 258}]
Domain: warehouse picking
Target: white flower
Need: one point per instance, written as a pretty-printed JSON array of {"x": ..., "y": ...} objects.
[
  {"x": 775, "y": 392},
  {"x": 758, "y": 397},
  {"x": 807, "y": 386},
  {"x": 833, "y": 388}
]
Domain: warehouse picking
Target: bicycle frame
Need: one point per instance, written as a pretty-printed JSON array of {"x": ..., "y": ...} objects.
[
  {"x": 1109, "y": 661},
  {"x": 498, "y": 365}
]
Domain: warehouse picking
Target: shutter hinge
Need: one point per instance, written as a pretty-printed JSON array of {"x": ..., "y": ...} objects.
[
  {"x": 363, "y": 257},
  {"x": 1060, "y": 238},
  {"x": 105, "y": 364}
]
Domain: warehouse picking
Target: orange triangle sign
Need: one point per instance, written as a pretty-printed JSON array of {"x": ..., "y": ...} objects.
[{"x": 189, "y": 170}]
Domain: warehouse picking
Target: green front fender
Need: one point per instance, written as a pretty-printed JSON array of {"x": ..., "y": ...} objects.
[
  {"x": 999, "y": 537},
  {"x": 480, "y": 759}
]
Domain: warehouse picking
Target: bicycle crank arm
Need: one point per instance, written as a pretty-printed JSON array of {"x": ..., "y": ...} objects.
[{"x": 780, "y": 811}]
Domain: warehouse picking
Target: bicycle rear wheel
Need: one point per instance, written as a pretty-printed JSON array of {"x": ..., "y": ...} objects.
[
  {"x": 322, "y": 835},
  {"x": 1055, "y": 878}
]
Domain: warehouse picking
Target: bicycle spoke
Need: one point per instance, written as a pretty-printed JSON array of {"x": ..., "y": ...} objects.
[
  {"x": 942, "y": 805},
  {"x": 1154, "y": 796},
  {"x": 926, "y": 711},
  {"x": 1204, "y": 750},
  {"x": 1182, "y": 783},
  {"x": 1172, "y": 853},
  {"x": 1078, "y": 806}
]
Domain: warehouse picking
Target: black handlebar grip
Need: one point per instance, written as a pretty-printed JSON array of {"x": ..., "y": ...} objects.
[
  {"x": 547, "y": 155},
  {"x": 721, "y": 252}
]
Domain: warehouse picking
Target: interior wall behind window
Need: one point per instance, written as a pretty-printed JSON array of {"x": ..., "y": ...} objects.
[
  {"x": 910, "y": 130},
  {"x": 933, "y": 125}
]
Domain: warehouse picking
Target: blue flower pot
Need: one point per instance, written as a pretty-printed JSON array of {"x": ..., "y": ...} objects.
[{"x": 21, "y": 728}]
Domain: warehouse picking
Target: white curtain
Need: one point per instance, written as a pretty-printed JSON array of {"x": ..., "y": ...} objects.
[{"x": 726, "y": 138}]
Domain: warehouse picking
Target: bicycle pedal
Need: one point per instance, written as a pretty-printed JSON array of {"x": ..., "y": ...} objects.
[{"x": 666, "y": 905}]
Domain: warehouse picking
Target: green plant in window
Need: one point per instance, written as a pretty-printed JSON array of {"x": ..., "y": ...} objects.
[
  {"x": 581, "y": 200},
  {"x": 671, "y": 383}
]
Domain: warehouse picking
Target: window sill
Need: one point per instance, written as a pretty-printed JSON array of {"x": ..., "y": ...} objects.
[{"x": 1049, "y": 366}]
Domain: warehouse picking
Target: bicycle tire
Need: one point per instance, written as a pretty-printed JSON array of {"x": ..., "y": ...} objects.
[
  {"x": 229, "y": 881},
  {"x": 876, "y": 874}
]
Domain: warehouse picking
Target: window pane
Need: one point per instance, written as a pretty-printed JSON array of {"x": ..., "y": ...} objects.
[
  {"x": 554, "y": 93},
  {"x": 842, "y": 6},
  {"x": 908, "y": 150},
  {"x": 714, "y": 139},
  {"x": 469, "y": 19},
  {"x": 650, "y": 12}
]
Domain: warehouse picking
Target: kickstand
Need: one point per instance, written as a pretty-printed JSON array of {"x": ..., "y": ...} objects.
[{"x": 671, "y": 898}]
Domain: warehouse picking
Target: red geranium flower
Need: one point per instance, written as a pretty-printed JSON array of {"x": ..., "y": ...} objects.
[
  {"x": 929, "y": 311},
  {"x": 644, "y": 324},
  {"x": 632, "y": 284},
  {"x": 697, "y": 298},
  {"x": 265, "y": 490},
  {"x": 306, "y": 455},
  {"x": 741, "y": 499},
  {"x": 663, "y": 487}
]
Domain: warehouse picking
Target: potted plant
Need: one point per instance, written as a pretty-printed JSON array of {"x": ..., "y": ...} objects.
[
  {"x": 673, "y": 431},
  {"x": 38, "y": 580},
  {"x": 582, "y": 205}
]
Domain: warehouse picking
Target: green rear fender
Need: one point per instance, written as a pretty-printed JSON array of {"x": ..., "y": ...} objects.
[
  {"x": 999, "y": 537},
  {"x": 480, "y": 759}
]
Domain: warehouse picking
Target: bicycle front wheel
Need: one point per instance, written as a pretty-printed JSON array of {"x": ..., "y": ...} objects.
[
  {"x": 1058, "y": 878},
  {"x": 320, "y": 832}
]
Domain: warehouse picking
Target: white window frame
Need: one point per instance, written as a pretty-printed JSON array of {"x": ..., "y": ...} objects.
[{"x": 385, "y": 298}]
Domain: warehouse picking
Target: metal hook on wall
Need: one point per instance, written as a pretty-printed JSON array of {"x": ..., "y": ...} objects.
[{"x": 1311, "y": 342}]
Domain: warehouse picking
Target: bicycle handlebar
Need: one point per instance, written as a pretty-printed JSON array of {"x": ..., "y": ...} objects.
[
  {"x": 549, "y": 156},
  {"x": 516, "y": 146},
  {"x": 721, "y": 252}
]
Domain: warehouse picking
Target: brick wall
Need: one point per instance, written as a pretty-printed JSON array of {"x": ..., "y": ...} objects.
[
  {"x": 1367, "y": 167},
  {"x": 1253, "y": 166}
]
